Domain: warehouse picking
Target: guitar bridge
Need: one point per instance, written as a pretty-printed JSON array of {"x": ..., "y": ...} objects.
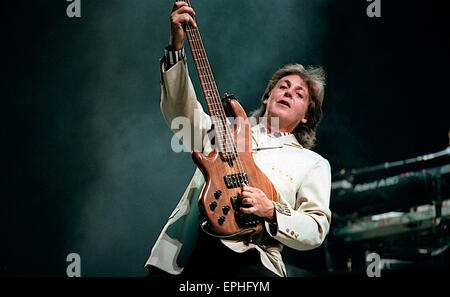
[{"x": 243, "y": 220}]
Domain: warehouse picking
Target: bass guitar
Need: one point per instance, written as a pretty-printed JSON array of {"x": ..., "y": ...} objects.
[{"x": 231, "y": 162}]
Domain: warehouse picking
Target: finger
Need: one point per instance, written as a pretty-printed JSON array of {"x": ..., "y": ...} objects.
[
  {"x": 248, "y": 209},
  {"x": 184, "y": 19},
  {"x": 260, "y": 192},
  {"x": 246, "y": 193},
  {"x": 247, "y": 188},
  {"x": 185, "y": 9},
  {"x": 248, "y": 201},
  {"x": 251, "y": 195},
  {"x": 179, "y": 4}
]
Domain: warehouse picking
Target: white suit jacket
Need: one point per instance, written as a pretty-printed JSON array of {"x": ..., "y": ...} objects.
[{"x": 301, "y": 177}]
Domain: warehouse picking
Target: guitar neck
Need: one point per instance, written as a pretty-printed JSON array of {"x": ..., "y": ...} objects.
[{"x": 204, "y": 71}]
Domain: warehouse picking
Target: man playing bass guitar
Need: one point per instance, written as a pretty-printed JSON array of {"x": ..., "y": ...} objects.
[{"x": 282, "y": 136}]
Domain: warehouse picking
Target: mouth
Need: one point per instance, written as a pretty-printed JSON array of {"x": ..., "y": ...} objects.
[{"x": 284, "y": 102}]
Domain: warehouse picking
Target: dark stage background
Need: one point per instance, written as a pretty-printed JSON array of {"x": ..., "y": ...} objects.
[{"x": 88, "y": 167}]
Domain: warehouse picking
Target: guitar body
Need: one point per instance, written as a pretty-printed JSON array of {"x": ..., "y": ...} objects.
[{"x": 220, "y": 199}]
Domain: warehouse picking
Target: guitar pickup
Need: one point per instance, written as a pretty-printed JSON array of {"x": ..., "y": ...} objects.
[{"x": 235, "y": 180}]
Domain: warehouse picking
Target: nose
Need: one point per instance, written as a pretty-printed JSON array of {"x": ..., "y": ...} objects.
[{"x": 287, "y": 94}]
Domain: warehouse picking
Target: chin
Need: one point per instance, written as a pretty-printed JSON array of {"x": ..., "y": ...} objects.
[{"x": 278, "y": 112}]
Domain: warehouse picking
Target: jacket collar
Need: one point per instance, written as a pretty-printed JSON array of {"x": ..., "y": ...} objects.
[{"x": 259, "y": 132}]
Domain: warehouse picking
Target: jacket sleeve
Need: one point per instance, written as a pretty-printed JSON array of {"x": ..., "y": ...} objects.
[
  {"x": 304, "y": 226},
  {"x": 182, "y": 112}
]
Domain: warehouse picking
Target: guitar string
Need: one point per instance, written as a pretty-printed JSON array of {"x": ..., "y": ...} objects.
[
  {"x": 196, "y": 40},
  {"x": 229, "y": 144},
  {"x": 208, "y": 82},
  {"x": 205, "y": 82},
  {"x": 199, "y": 42},
  {"x": 239, "y": 164},
  {"x": 216, "y": 99},
  {"x": 228, "y": 135},
  {"x": 204, "y": 79}
]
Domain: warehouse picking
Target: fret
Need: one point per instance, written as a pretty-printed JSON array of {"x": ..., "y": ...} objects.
[
  {"x": 210, "y": 91},
  {"x": 213, "y": 103},
  {"x": 210, "y": 94},
  {"x": 206, "y": 75},
  {"x": 204, "y": 67},
  {"x": 216, "y": 115},
  {"x": 199, "y": 55},
  {"x": 224, "y": 136},
  {"x": 213, "y": 100},
  {"x": 193, "y": 38},
  {"x": 197, "y": 49},
  {"x": 210, "y": 83}
]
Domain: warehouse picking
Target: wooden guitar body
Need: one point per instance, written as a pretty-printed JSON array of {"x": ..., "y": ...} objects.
[{"x": 220, "y": 199}]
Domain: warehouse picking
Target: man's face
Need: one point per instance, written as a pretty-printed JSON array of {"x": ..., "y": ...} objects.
[{"x": 289, "y": 101}]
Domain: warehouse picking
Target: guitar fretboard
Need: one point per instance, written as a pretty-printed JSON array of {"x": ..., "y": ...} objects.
[{"x": 209, "y": 88}]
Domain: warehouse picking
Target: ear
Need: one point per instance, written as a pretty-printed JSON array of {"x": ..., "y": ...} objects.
[
  {"x": 266, "y": 95},
  {"x": 265, "y": 99},
  {"x": 305, "y": 119}
]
